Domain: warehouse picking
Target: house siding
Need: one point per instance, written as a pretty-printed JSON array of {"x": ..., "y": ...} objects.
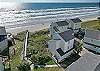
[
  {"x": 93, "y": 48},
  {"x": 77, "y": 25},
  {"x": 3, "y": 45},
  {"x": 68, "y": 45},
  {"x": 92, "y": 41},
  {"x": 55, "y": 35},
  {"x": 52, "y": 46}
]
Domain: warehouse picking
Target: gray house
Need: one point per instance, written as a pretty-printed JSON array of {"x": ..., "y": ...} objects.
[
  {"x": 88, "y": 62},
  {"x": 3, "y": 45},
  {"x": 92, "y": 40},
  {"x": 3, "y": 39}
]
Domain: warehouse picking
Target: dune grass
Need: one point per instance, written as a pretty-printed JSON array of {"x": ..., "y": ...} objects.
[
  {"x": 16, "y": 59},
  {"x": 93, "y": 24}
]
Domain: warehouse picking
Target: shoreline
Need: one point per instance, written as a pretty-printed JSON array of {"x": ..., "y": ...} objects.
[
  {"x": 37, "y": 27},
  {"x": 30, "y": 28}
]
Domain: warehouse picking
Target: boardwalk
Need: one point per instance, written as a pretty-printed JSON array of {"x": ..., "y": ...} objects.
[{"x": 25, "y": 45}]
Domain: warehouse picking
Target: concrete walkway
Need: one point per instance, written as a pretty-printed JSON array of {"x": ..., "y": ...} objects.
[{"x": 46, "y": 66}]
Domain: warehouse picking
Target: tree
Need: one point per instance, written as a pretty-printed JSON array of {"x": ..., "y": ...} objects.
[{"x": 40, "y": 58}]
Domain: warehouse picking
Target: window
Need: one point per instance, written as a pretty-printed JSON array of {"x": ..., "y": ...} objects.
[
  {"x": 91, "y": 40},
  {"x": 68, "y": 47}
]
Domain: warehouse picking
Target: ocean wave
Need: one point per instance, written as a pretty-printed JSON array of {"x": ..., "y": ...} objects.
[{"x": 13, "y": 17}]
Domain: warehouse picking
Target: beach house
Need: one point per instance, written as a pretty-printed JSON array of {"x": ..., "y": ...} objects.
[
  {"x": 61, "y": 44},
  {"x": 3, "y": 39},
  {"x": 92, "y": 40},
  {"x": 74, "y": 23},
  {"x": 63, "y": 38}
]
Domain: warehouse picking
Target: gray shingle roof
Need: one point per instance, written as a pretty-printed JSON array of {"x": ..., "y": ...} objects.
[
  {"x": 88, "y": 62},
  {"x": 93, "y": 34},
  {"x": 62, "y": 23},
  {"x": 67, "y": 35},
  {"x": 76, "y": 20}
]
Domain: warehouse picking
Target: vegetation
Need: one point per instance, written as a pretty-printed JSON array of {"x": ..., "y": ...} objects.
[
  {"x": 78, "y": 47},
  {"x": 93, "y": 24},
  {"x": 16, "y": 59},
  {"x": 24, "y": 66},
  {"x": 37, "y": 50}
]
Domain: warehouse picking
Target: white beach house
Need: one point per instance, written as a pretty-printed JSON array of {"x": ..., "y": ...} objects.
[
  {"x": 62, "y": 47},
  {"x": 62, "y": 38},
  {"x": 92, "y": 40}
]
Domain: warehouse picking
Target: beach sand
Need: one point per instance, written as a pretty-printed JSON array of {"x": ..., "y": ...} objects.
[
  {"x": 30, "y": 28},
  {"x": 41, "y": 24}
]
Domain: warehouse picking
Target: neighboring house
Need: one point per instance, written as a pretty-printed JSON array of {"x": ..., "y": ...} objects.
[
  {"x": 3, "y": 39},
  {"x": 74, "y": 23},
  {"x": 3, "y": 45},
  {"x": 92, "y": 40},
  {"x": 87, "y": 62}
]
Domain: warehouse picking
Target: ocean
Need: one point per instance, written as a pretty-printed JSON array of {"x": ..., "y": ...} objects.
[
  {"x": 37, "y": 6},
  {"x": 57, "y": 5},
  {"x": 16, "y": 14}
]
